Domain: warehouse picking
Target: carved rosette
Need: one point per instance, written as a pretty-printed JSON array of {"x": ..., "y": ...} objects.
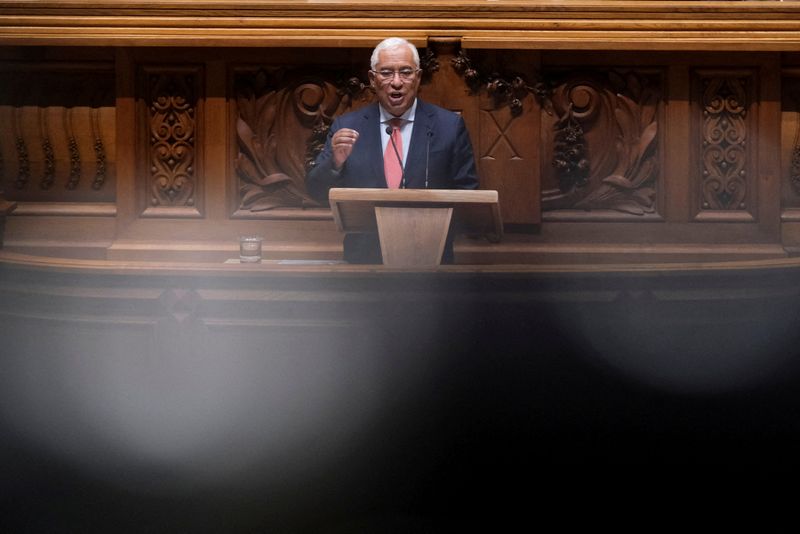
[
  {"x": 171, "y": 119},
  {"x": 724, "y": 157},
  {"x": 604, "y": 143},
  {"x": 282, "y": 124}
]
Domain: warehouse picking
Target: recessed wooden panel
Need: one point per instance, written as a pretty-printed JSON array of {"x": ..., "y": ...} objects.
[
  {"x": 724, "y": 139},
  {"x": 171, "y": 141},
  {"x": 790, "y": 141},
  {"x": 281, "y": 120},
  {"x": 601, "y": 143},
  {"x": 492, "y": 93},
  {"x": 58, "y": 140}
]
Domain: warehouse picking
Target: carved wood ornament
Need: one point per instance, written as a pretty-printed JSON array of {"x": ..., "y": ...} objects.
[
  {"x": 172, "y": 100},
  {"x": 23, "y": 161},
  {"x": 282, "y": 123},
  {"x": 724, "y": 156},
  {"x": 604, "y": 142},
  {"x": 794, "y": 175},
  {"x": 603, "y": 138},
  {"x": 56, "y": 141}
]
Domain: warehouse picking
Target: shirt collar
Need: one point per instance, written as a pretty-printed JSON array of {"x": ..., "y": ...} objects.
[{"x": 408, "y": 116}]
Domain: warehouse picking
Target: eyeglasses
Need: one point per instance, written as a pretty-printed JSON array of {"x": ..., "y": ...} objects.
[{"x": 387, "y": 75}]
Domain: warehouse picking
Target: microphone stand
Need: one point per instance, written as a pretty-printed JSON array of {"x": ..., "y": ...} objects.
[{"x": 427, "y": 156}]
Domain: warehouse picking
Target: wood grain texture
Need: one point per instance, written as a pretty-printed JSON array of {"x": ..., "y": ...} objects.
[
  {"x": 541, "y": 24},
  {"x": 412, "y": 237}
]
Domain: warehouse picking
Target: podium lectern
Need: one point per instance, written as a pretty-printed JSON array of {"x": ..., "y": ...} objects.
[{"x": 412, "y": 224}]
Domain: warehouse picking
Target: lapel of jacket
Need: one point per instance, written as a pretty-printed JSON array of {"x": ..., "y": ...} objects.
[{"x": 415, "y": 162}]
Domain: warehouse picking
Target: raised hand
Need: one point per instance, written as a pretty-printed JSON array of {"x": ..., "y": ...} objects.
[{"x": 342, "y": 145}]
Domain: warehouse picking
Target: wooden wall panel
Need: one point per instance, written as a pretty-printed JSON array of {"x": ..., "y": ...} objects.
[
  {"x": 282, "y": 117},
  {"x": 724, "y": 141},
  {"x": 790, "y": 140},
  {"x": 583, "y": 147},
  {"x": 171, "y": 140},
  {"x": 602, "y": 143},
  {"x": 502, "y": 120},
  {"x": 58, "y": 143}
]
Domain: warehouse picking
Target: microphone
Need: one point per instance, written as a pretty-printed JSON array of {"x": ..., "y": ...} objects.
[
  {"x": 429, "y": 133},
  {"x": 399, "y": 159}
]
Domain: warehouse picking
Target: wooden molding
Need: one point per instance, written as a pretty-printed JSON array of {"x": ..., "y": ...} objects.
[
  {"x": 67, "y": 209},
  {"x": 525, "y": 24}
]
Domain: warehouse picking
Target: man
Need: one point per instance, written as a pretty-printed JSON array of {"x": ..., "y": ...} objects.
[{"x": 400, "y": 141}]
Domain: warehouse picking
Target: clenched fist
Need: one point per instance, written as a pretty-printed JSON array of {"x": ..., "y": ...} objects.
[{"x": 342, "y": 145}]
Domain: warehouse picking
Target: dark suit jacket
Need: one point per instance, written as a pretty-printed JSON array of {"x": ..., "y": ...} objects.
[{"x": 439, "y": 143}]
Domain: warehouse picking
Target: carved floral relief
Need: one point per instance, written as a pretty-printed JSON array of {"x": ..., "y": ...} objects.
[
  {"x": 604, "y": 142},
  {"x": 282, "y": 123},
  {"x": 600, "y": 137}
]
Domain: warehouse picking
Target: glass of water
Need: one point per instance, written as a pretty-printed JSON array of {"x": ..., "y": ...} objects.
[{"x": 250, "y": 249}]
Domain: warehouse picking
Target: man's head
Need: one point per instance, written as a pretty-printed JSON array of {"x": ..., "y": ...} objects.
[{"x": 395, "y": 74}]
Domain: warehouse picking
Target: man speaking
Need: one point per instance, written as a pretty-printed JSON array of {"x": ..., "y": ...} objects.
[{"x": 398, "y": 142}]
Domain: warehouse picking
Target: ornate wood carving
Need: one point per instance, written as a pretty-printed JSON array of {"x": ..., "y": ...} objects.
[
  {"x": 613, "y": 116},
  {"x": 172, "y": 97},
  {"x": 61, "y": 119},
  {"x": 500, "y": 112},
  {"x": 504, "y": 89},
  {"x": 790, "y": 142},
  {"x": 100, "y": 174},
  {"x": 23, "y": 162},
  {"x": 724, "y": 157},
  {"x": 794, "y": 171},
  {"x": 74, "y": 152},
  {"x": 600, "y": 135},
  {"x": 282, "y": 121},
  {"x": 49, "y": 174},
  {"x": 283, "y": 116}
]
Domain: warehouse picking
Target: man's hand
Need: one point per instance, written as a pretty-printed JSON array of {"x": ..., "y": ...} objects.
[{"x": 342, "y": 145}]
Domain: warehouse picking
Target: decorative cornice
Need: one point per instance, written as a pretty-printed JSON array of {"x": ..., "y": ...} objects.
[{"x": 767, "y": 25}]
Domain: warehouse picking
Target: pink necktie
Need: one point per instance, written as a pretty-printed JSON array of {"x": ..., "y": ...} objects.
[{"x": 391, "y": 164}]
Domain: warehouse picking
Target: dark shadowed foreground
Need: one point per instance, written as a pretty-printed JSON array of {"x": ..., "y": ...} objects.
[{"x": 365, "y": 400}]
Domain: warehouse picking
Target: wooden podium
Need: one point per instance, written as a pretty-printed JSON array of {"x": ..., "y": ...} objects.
[{"x": 412, "y": 224}]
